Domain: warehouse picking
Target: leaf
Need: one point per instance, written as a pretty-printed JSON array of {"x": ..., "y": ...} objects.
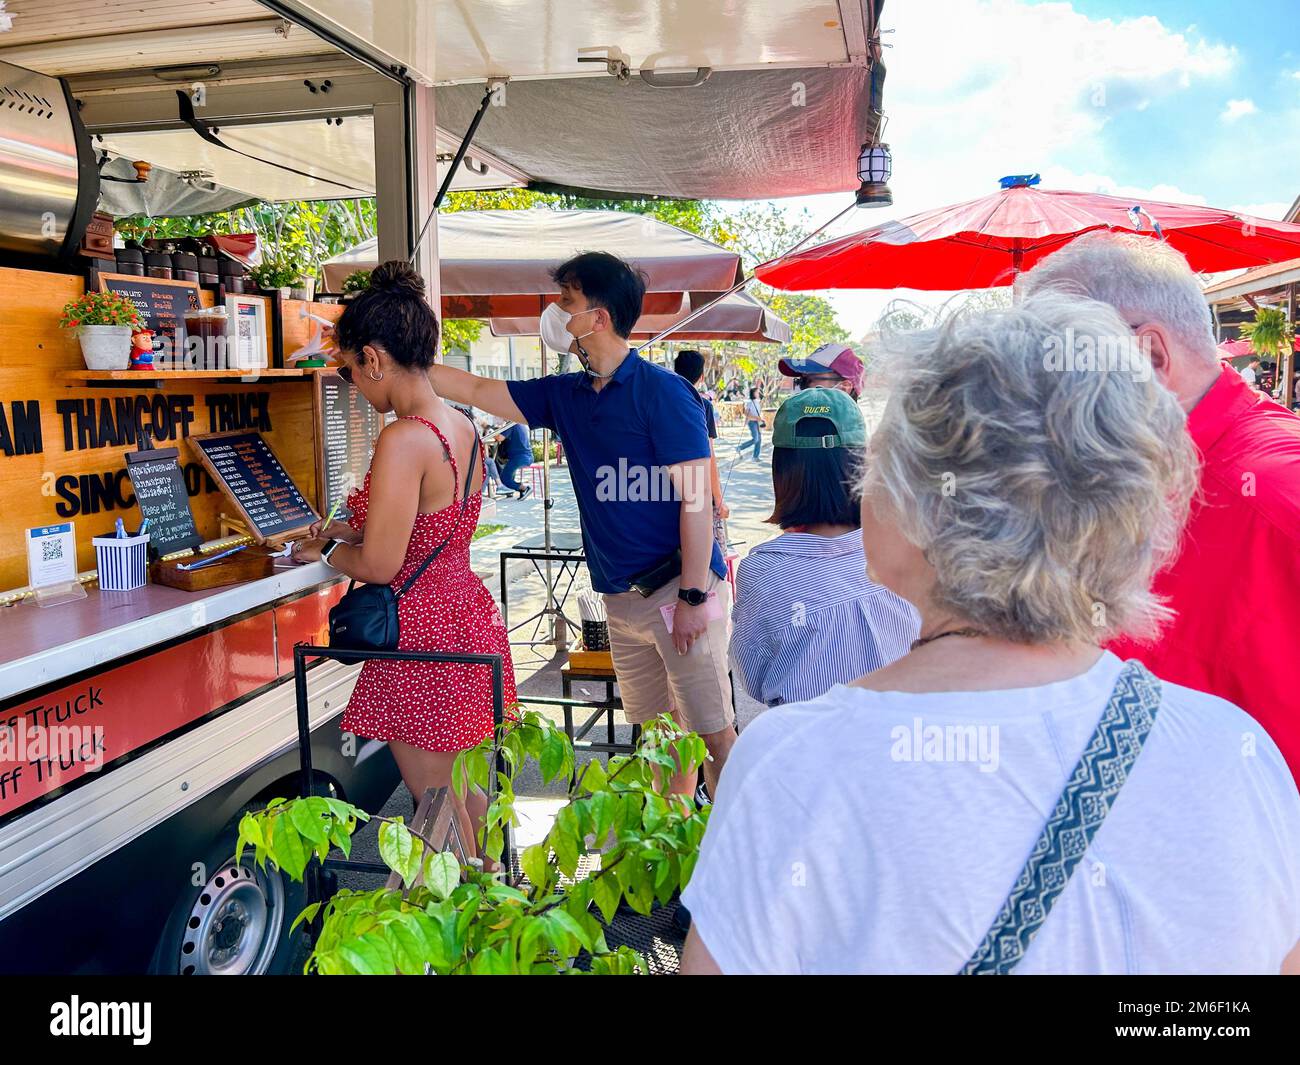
[
  {"x": 306, "y": 818},
  {"x": 290, "y": 853},
  {"x": 399, "y": 850},
  {"x": 570, "y": 924},
  {"x": 552, "y": 759},
  {"x": 441, "y": 873},
  {"x": 536, "y": 863},
  {"x": 370, "y": 955},
  {"x": 308, "y": 914},
  {"x": 594, "y": 778},
  {"x": 606, "y": 894}
]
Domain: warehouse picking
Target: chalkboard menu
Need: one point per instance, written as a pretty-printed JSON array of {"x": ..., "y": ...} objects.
[
  {"x": 160, "y": 491},
  {"x": 162, "y": 305},
  {"x": 246, "y": 468},
  {"x": 346, "y": 429}
]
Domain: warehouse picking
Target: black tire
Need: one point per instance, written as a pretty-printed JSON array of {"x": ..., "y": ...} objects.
[{"x": 236, "y": 922}]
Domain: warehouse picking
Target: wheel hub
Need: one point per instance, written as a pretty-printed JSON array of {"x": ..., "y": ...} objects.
[{"x": 234, "y": 925}]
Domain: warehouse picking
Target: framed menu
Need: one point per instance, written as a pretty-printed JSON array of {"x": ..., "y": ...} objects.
[
  {"x": 246, "y": 469},
  {"x": 162, "y": 305},
  {"x": 346, "y": 428},
  {"x": 160, "y": 490}
]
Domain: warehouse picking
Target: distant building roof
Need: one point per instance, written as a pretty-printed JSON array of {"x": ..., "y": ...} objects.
[{"x": 1259, "y": 279}]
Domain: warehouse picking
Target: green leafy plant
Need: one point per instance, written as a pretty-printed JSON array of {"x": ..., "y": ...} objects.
[
  {"x": 99, "y": 308},
  {"x": 357, "y": 281},
  {"x": 275, "y": 273},
  {"x": 450, "y": 918},
  {"x": 1269, "y": 333}
]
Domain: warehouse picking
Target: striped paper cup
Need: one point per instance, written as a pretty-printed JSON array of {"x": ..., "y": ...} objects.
[{"x": 123, "y": 562}]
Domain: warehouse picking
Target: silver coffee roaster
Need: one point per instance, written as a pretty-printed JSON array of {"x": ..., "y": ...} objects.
[{"x": 49, "y": 181}]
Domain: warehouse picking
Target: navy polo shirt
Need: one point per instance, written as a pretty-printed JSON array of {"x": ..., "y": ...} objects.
[
  {"x": 618, "y": 443},
  {"x": 515, "y": 446}
]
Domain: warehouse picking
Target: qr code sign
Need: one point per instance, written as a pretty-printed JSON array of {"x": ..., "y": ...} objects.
[{"x": 51, "y": 550}]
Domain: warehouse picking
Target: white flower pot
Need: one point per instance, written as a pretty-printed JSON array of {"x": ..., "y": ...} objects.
[
  {"x": 105, "y": 347},
  {"x": 305, "y": 289}
]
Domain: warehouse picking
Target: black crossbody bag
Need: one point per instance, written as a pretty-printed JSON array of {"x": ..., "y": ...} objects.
[{"x": 365, "y": 619}]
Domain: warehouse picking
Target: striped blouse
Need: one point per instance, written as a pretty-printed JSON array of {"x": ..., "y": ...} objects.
[{"x": 807, "y": 617}]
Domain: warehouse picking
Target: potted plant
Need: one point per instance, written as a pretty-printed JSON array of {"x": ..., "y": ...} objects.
[
  {"x": 302, "y": 287},
  {"x": 356, "y": 282},
  {"x": 104, "y": 322},
  {"x": 275, "y": 275}
]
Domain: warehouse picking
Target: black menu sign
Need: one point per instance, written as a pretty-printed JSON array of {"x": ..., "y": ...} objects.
[
  {"x": 246, "y": 468},
  {"x": 164, "y": 502},
  {"x": 346, "y": 429},
  {"x": 162, "y": 305}
]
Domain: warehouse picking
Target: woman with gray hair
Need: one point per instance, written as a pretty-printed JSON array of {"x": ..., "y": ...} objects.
[{"x": 1008, "y": 795}]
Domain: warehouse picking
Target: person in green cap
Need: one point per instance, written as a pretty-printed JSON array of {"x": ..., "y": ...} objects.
[{"x": 807, "y": 616}]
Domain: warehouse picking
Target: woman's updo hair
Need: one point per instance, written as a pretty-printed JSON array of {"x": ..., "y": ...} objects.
[{"x": 393, "y": 314}]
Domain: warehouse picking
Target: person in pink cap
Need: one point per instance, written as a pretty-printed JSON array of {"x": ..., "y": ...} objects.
[{"x": 830, "y": 366}]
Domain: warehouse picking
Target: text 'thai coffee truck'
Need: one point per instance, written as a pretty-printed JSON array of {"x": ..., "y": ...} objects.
[{"x": 147, "y": 700}]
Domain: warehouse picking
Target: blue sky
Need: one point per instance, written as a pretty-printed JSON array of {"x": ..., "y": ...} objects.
[{"x": 1194, "y": 101}]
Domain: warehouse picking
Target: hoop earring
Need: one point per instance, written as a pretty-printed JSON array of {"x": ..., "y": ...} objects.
[{"x": 376, "y": 376}]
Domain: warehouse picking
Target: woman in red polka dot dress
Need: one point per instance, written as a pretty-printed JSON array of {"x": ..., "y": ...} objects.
[{"x": 415, "y": 498}]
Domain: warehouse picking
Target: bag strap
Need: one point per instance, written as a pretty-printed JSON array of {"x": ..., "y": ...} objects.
[
  {"x": 464, "y": 502},
  {"x": 1089, "y": 795}
]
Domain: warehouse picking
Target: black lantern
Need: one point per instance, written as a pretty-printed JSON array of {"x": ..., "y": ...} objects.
[{"x": 875, "y": 165}]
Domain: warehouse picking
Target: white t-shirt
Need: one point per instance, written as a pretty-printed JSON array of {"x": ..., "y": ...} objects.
[
  {"x": 751, "y": 409},
  {"x": 838, "y": 843},
  {"x": 1248, "y": 375}
]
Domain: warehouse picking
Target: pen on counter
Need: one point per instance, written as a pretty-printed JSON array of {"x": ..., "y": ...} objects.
[
  {"x": 120, "y": 531},
  {"x": 203, "y": 562}
]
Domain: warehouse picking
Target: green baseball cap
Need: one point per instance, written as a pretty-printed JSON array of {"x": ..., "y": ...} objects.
[{"x": 831, "y": 404}]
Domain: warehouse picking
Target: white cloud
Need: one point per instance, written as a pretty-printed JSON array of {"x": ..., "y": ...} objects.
[
  {"x": 981, "y": 88},
  {"x": 1237, "y": 109}
]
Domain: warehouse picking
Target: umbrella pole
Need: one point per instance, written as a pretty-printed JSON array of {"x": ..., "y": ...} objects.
[{"x": 559, "y": 631}]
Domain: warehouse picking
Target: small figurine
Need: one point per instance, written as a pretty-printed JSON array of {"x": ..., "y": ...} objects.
[{"x": 141, "y": 350}]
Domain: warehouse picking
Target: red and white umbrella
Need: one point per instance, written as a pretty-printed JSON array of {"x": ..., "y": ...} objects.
[{"x": 984, "y": 243}]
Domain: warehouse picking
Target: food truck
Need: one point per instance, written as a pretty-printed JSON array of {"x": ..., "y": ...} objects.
[{"x": 145, "y": 704}]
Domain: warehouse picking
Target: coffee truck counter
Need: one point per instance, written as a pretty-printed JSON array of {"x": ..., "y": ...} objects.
[{"x": 40, "y": 647}]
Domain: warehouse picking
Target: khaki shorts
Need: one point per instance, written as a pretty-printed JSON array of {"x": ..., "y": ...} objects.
[{"x": 653, "y": 678}]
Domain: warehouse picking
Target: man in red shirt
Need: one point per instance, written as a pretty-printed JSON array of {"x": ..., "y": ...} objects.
[{"x": 1235, "y": 585}]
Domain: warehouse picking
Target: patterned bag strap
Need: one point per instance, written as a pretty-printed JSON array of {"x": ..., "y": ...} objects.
[{"x": 1089, "y": 794}]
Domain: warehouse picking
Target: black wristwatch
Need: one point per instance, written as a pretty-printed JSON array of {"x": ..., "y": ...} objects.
[
  {"x": 692, "y": 596},
  {"x": 328, "y": 550}
]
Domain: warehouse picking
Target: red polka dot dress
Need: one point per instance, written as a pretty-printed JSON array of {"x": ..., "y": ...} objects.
[{"x": 434, "y": 706}]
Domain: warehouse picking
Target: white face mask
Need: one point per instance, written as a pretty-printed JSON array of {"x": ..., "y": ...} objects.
[{"x": 554, "y": 327}]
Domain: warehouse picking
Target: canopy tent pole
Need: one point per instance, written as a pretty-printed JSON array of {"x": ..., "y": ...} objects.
[{"x": 559, "y": 628}]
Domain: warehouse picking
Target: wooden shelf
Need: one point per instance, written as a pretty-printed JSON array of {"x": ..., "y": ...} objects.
[{"x": 149, "y": 377}]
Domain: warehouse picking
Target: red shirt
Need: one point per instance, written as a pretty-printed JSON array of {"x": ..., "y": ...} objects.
[{"x": 1236, "y": 581}]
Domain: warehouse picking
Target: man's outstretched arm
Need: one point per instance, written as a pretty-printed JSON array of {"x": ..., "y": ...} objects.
[{"x": 485, "y": 393}]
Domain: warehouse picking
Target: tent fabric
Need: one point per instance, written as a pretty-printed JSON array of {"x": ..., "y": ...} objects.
[
  {"x": 743, "y": 134},
  {"x": 983, "y": 243},
  {"x": 736, "y": 317},
  {"x": 165, "y": 193},
  {"x": 498, "y": 263}
]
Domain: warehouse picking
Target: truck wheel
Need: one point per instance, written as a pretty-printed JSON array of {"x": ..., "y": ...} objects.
[{"x": 237, "y": 922}]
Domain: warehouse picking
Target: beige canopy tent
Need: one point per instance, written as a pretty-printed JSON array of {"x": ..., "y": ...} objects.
[
  {"x": 497, "y": 264},
  {"x": 736, "y": 317}
]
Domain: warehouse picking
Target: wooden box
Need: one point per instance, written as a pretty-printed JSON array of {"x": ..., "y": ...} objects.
[{"x": 253, "y": 563}]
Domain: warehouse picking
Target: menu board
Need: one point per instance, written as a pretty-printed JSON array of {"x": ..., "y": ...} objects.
[
  {"x": 346, "y": 429},
  {"x": 160, "y": 491},
  {"x": 246, "y": 468},
  {"x": 162, "y": 305}
]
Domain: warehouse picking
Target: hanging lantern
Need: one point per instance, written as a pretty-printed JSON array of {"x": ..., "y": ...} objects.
[{"x": 875, "y": 166}]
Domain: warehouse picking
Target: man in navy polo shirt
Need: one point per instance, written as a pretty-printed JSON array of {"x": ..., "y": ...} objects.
[{"x": 638, "y": 455}]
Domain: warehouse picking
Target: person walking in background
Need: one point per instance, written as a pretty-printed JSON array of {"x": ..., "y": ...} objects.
[
  {"x": 514, "y": 453},
  {"x": 626, "y": 425},
  {"x": 1248, "y": 507},
  {"x": 690, "y": 365},
  {"x": 807, "y": 616},
  {"x": 1250, "y": 372},
  {"x": 830, "y": 366},
  {"x": 754, "y": 423},
  {"x": 421, "y": 498},
  {"x": 1009, "y": 501}
]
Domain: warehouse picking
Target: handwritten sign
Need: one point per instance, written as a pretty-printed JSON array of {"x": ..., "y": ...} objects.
[
  {"x": 162, "y": 305},
  {"x": 246, "y": 468},
  {"x": 346, "y": 429},
  {"x": 160, "y": 491}
]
